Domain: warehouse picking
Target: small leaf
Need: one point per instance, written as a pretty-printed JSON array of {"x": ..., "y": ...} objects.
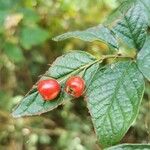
[
  {"x": 69, "y": 64},
  {"x": 7, "y": 5},
  {"x": 130, "y": 147},
  {"x": 31, "y": 36},
  {"x": 143, "y": 59},
  {"x": 29, "y": 15},
  {"x": 114, "y": 96},
  {"x": 99, "y": 33},
  {"x": 132, "y": 28},
  {"x": 13, "y": 52},
  {"x": 3, "y": 15}
]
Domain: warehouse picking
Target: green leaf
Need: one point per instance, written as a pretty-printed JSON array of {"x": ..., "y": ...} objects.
[
  {"x": 146, "y": 9},
  {"x": 31, "y": 36},
  {"x": 144, "y": 4},
  {"x": 99, "y": 33},
  {"x": 114, "y": 96},
  {"x": 8, "y": 4},
  {"x": 130, "y": 147},
  {"x": 74, "y": 61},
  {"x": 33, "y": 104},
  {"x": 132, "y": 28},
  {"x": 116, "y": 14},
  {"x": 90, "y": 73},
  {"x": 69, "y": 64},
  {"x": 124, "y": 6},
  {"x": 29, "y": 15},
  {"x": 3, "y": 15},
  {"x": 13, "y": 52},
  {"x": 143, "y": 59}
]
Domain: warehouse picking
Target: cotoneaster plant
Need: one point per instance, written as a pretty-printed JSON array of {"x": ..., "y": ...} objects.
[{"x": 113, "y": 92}]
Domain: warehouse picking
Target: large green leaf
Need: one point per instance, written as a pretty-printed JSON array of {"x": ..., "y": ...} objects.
[
  {"x": 114, "y": 96},
  {"x": 130, "y": 147},
  {"x": 132, "y": 27},
  {"x": 100, "y": 33},
  {"x": 143, "y": 59},
  {"x": 64, "y": 66}
]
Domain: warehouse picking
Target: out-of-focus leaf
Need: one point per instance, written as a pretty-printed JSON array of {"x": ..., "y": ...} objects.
[
  {"x": 5, "y": 103},
  {"x": 12, "y": 20},
  {"x": 3, "y": 15},
  {"x": 31, "y": 36},
  {"x": 29, "y": 16},
  {"x": 13, "y": 52},
  {"x": 7, "y": 4}
]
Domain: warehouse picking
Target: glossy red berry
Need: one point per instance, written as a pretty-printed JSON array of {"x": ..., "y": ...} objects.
[
  {"x": 49, "y": 89},
  {"x": 75, "y": 86}
]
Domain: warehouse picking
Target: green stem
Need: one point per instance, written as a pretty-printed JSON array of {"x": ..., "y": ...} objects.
[
  {"x": 115, "y": 56},
  {"x": 84, "y": 68},
  {"x": 90, "y": 64}
]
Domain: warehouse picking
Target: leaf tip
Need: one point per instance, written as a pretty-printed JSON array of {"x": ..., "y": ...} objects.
[{"x": 15, "y": 115}]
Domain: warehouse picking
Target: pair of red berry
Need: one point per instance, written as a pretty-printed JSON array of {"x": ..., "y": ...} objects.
[{"x": 49, "y": 89}]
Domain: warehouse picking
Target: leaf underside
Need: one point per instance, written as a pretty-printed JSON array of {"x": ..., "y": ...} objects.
[{"x": 113, "y": 98}]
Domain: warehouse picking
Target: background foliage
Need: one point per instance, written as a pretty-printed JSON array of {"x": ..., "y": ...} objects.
[{"x": 26, "y": 30}]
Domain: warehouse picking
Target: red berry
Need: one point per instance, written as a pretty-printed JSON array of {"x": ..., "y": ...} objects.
[
  {"x": 49, "y": 89},
  {"x": 75, "y": 86}
]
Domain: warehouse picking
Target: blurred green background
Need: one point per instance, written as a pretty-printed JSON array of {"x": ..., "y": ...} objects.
[{"x": 26, "y": 30}]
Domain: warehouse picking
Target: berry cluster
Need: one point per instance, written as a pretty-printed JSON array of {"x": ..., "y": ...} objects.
[{"x": 50, "y": 89}]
